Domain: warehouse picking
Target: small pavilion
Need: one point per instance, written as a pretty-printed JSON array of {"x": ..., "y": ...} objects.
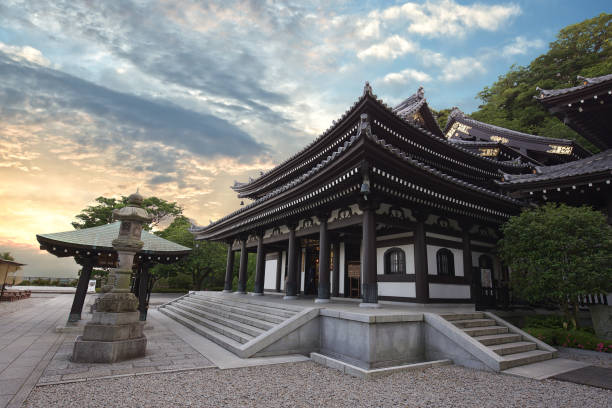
[
  {"x": 93, "y": 248},
  {"x": 7, "y": 267}
]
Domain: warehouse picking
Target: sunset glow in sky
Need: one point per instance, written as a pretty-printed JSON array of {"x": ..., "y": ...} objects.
[{"x": 180, "y": 98}]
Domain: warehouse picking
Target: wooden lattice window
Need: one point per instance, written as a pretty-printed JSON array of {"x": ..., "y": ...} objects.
[
  {"x": 446, "y": 262},
  {"x": 395, "y": 261}
]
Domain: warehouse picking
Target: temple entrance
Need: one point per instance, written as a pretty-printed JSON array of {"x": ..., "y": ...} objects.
[
  {"x": 311, "y": 271},
  {"x": 353, "y": 270}
]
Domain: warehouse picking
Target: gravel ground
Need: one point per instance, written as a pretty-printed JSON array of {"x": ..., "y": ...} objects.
[
  {"x": 588, "y": 356},
  {"x": 311, "y": 385}
]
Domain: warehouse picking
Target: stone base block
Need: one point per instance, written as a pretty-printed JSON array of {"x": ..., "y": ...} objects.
[
  {"x": 95, "y": 351},
  {"x": 113, "y": 332},
  {"x": 115, "y": 318},
  {"x": 602, "y": 320},
  {"x": 369, "y": 305},
  {"x": 319, "y": 300},
  {"x": 256, "y": 294}
]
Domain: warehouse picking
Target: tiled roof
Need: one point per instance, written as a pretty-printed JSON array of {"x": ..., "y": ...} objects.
[
  {"x": 600, "y": 162},
  {"x": 586, "y": 82},
  {"x": 102, "y": 237}
]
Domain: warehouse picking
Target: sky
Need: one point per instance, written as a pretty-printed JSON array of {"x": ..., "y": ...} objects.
[{"x": 180, "y": 98}]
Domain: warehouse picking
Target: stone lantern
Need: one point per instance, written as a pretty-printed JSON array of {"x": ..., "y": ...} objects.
[{"x": 115, "y": 332}]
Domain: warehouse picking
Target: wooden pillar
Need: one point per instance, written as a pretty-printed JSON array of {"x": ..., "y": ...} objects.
[
  {"x": 291, "y": 285},
  {"x": 336, "y": 270},
  {"x": 298, "y": 268},
  {"x": 81, "y": 290},
  {"x": 466, "y": 225},
  {"x": 260, "y": 267},
  {"x": 242, "y": 272},
  {"x": 143, "y": 295},
  {"x": 229, "y": 269},
  {"x": 609, "y": 205},
  {"x": 279, "y": 264},
  {"x": 369, "y": 285},
  {"x": 420, "y": 259},
  {"x": 323, "y": 292}
]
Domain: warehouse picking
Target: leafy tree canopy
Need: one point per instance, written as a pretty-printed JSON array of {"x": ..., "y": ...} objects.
[
  {"x": 7, "y": 256},
  {"x": 558, "y": 253},
  {"x": 102, "y": 213},
  {"x": 580, "y": 49}
]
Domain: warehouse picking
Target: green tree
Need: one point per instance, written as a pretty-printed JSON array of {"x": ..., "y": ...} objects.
[
  {"x": 102, "y": 213},
  {"x": 558, "y": 253},
  {"x": 203, "y": 268},
  {"x": 580, "y": 49},
  {"x": 7, "y": 256},
  {"x": 441, "y": 117}
]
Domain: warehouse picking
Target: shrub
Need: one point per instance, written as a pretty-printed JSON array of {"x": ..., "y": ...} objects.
[{"x": 580, "y": 339}]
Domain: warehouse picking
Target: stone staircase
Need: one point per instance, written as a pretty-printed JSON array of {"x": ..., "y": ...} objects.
[
  {"x": 235, "y": 322},
  {"x": 515, "y": 347}
]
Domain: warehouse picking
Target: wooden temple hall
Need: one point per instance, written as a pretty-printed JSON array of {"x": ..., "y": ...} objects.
[{"x": 385, "y": 205}]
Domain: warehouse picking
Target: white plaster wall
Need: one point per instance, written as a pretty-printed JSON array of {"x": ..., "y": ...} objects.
[
  {"x": 447, "y": 291},
  {"x": 283, "y": 266},
  {"x": 475, "y": 256},
  {"x": 400, "y": 289},
  {"x": 380, "y": 258},
  {"x": 270, "y": 276},
  {"x": 432, "y": 265},
  {"x": 342, "y": 272}
]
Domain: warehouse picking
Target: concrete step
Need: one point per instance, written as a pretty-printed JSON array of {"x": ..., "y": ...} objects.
[
  {"x": 462, "y": 316},
  {"x": 527, "y": 357},
  {"x": 226, "y": 331},
  {"x": 484, "y": 331},
  {"x": 248, "y": 304},
  {"x": 492, "y": 339},
  {"x": 244, "y": 328},
  {"x": 513, "y": 348},
  {"x": 240, "y": 310},
  {"x": 216, "y": 337},
  {"x": 261, "y": 324},
  {"x": 473, "y": 323}
]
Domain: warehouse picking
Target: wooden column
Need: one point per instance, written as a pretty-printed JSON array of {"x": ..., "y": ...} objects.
[
  {"x": 336, "y": 270},
  {"x": 291, "y": 285},
  {"x": 420, "y": 259},
  {"x": 609, "y": 205},
  {"x": 466, "y": 225},
  {"x": 298, "y": 267},
  {"x": 143, "y": 295},
  {"x": 242, "y": 272},
  {"x": 369, "y": 285},
  {"x": 279, "y": 264},
  {"x": 229, "y": 269},
  {"x": 81, "y": 290},
  {"x": 260, "y": 267},
  {"x": 323, "y": 292}
]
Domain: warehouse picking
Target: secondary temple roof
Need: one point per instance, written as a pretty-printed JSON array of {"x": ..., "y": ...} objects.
[
  {"x": 543, "y": 149},
  {"x": 586, "y": 108}
]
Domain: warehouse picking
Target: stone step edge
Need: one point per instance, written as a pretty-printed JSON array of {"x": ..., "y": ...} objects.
[
  {"x": 217, "y": 327},
  {"x": 216, "y": 337},
  {"x": 527, "y": 357},
  {"x": 271, "y": 318},
  {"x": 359, "y": 372},
  {"x": 248, "y": 299},
  {"x": 253, "y": 307},
  {"x": 233, "y": 316},
  {"x": 232, "y": 324},
  {"x": 524, "y": 335},
  {"x": 515, "y": 345},
  {"x": 461, "y": 316},
  {"x": 487, "y": 337}
]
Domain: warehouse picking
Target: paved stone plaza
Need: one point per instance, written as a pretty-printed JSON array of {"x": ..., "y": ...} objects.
[{"x": 182, "y": 368}]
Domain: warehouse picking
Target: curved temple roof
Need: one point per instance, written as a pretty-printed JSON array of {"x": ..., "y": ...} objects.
[{"x": 101, "y": 238}]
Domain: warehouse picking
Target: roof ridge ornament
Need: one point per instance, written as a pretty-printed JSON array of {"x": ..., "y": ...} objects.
[
  {"x": 421, "y": 92},
  {"x": 365, "y": 128},
  {"x": 367, "y": 89}
]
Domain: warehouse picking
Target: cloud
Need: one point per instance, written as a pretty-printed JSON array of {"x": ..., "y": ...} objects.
[
  {"x": 459, "y": 68},
  {"x": 405, "y": 76},
  {"x": 447, "y": 18},
  {"x": 25, "y": 53},
  {"x": 393, "y": 47},
  {"x": 521, "y": 45}
]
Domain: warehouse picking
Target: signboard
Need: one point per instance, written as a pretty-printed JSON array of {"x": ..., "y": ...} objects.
[
  {"x": 91, "y": 287},
  {"x": 485, "y": 278},
  {"x": 354, "y": 270}
]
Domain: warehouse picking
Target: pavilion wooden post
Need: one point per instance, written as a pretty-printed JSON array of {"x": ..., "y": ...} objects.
[
  {"x": 609, "y": 205},
  {"x": 229, "y": 269},
  {"x": 420, "y": 259},
  {"x": 279, "y": 264},
  {"x": 242, "y": 272},
  {"x": 323, "y": 292},
  {"x": 291, "y": 285},
  {"x": 336, "y": 269},
  {"x": 465, "y": 226},
  {"x": 143, "y": 286},
  {"x": 81, "y": 290},
  {"x": 260, "y": 266},
  {"x": 369, "y": 285}
]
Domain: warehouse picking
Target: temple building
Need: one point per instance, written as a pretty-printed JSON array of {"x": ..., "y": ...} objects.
[{"x": 385, "y": 205}]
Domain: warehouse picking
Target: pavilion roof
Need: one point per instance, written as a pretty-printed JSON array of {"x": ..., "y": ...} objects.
[
  {"x": 586, "y": 83},
  {"x": 10, "y": 263},
  {"x": 101, "y": 239},
  {"x": 415, "y": 109},
  {"x": 598, "y": 164},
  {"x": 473, "y": 129}
]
